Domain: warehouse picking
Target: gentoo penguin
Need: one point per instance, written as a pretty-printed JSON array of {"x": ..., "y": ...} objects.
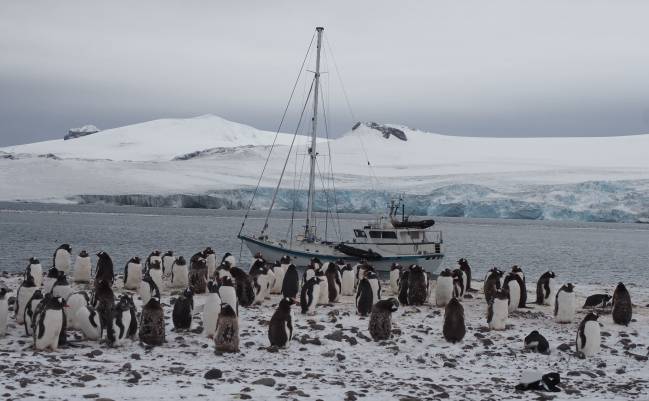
[
  {"x": 597, "y": 301},
  {"x": 454, "y": 328},
  {"x": 121, "y": 322},
  {"x": 50, "y": 280},
  {"x": 210, "y": 260},
  {"x": 444, "y": 288},
  {"x": 133, "y": 274},
  {"x": 308, "y": 274},
  {"x": 74, "y": 302},
  {"x": 514, "y": 285},
  {"x": 259, "y": 280},
  {"x": 622, "y": 308},
  {"x": 348, "y": 279},
  {"x": 168, "y": 260},
  {"x": 310, "y": 295},
  {"x": 270, "y": 279},
  {"x": 334, "y": 282},
  {"x": 179, "y": 273},
  {"x": 62, "y": 258},
  {"x": 212, "y": 308},
  {"x": 222, "y": 271},
  {"x": 88, "y": 321},
  {"x": 154, "y": 271},
  {"x": 381, "y": 319},
  {"x": 416, "y": 280},
  {"x": 152, "y": 323},
  {"x": 198, "y": 275},
  {"x": 103, "y": 300},
  {"x": 498, "y": 310},
  {"x": 228, "y": 293},
  {"x": 536, "y": 381},
  {"x": 35, "y": 270},
  {"x": 104, "y": 270},
  {"x": 523, "y": 298},
  {"x": 4, "y": 311},
  {"x": 360, "y": 269},
  {"x": 492, "y": 283},
  {"x": 373, "y": 278},
  {"x": 323, "y": 294},
  {"x": 49, "y": 323},
  {"x": 537, "y": 343},
  {"x": 316, "y": 263},
  {"x": 565, "y": 304},
  {"x": 230, "y": 259},
  {"x": 395, "y": 273},
  {"x": 545, "y": 288},
  {"x": 30, "y": 310},
  {"x": 466, "y": 269},
  {"x": 132, "y": 328},
  {"x": 280, "y": 271},
  {"x": 24, "y": 294},
  {"x": 364, "y": 297},
  {"x": 404, "y": 285},
  {"x": 588, "y": 335},
  {"x": 154, "y": 256},
  {"x": 458, "y": 283},
  {"x": 243, "y": 285},
  {"x": 61, "y": 287},
  {"x": 226, "y": 338},
  {"x": 82, "y": 268},
  {"x": 183, "y": 311},
  {"x": 291, "y": 283},
  {"x": 280, "y": 329},
  {"x": 148, "y": 289}
]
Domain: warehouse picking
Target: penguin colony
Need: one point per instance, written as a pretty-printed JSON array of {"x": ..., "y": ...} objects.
[{"x": 48, "y": 307}]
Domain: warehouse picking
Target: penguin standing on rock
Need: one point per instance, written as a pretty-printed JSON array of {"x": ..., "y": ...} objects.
[
  {"x": 133, "y": 274},
  {"x": 498, "y": 311},
  {"x": 537, "y": 343},
  {"x": 395, "y": 273},
  {"x": 522, "y": 301},
  {"x": 212, "y": 308},
  {"x": 148, "y": 289},
  {"x": 89, "y": 322},
  {"x": 4, "y": 311},
  {"x": 183, "y": 310},
  {"x": 588, "y": 335},
  {"x": 444, "y": 288},
  {"x": 179, "y": 273},
  {"x": 24, "y": 294},
  {"x": 622, "y": 307},
  {"x": 291, "y": 282},
  {"x": 154, "y": 271},
  {"x": 310, "y": 295},
  {"x": 545, "y": 288},
  {"x": 364, "y": 297},
  {"x": 466, "y": 269},
  {"x": 492, "y": 283},
  {"x": 334, "y": 282},
  {"x": 454, "y": 327},
  {"x": 515, "y": 286},
  {"x": 104, "y": 270},
  {"x": 30, "y": 310},
  {"x": 381, "y": 319},
  {"x": 226, "y": 338},
  {"x": 82, "y": 268},
  {"x": 416, "y": 285},
  {"x": 62, "y": 258},
  {"x": 347, "y": 280},
  {"x": 152, "y": 323},
  {"x": 49, "y": 323},
  {"x": 228, "y": 294},
  {"x": 168, "y": 260},
  {"x": 565, "y": 304},
  {"x": 35, "y": 270},
  {"x": 280, "y": 329},
  {"x": 121, "y": 322}
]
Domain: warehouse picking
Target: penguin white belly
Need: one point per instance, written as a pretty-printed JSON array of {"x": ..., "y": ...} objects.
[
  {"x": 210, "y": 261},
  {"x": 309, "y": 274},
  {"x": 37, "y": 272},
  {"x": 348, "y": 278},
  {"x": 63, "y": 291},
  {"x": 211, "y": 311},
  {"x": 4, "y": 316},
  {"x": 231, "y": 259},
  {"x": 270, "y": 283},
  {"x": 500, "y": 311},
  {"x": 156, "y": 276},
  {"x": 280, "y": 271},
  {"x": 260, "y": 289},
  {"x": 82, "y": 270},
  {"x": 29, "y": 319},
  {"x": 314, "y": 300},
  {"x": 465, "y": 282},
  {"x": 48, "y": 284},
  {"x": 394, "y": 281},
  {"x": 323, "y": 296},
  {"x": 75, "y": 302},
  {"x": 549, "y": 297},
  {"x": 376, "y": 290},
  {"x": 180, "y": 276},
  {"x": 167, "y": 262},
  {"x": 121, "y": 333},
  {"x": 443, "y": 290},
  {"x": 24, "y": 295},
  {"x": 566, "y": 305},
  {"x": 134, "y": 276},
  {"x": 62, "y": 261},
  {"x": 514, "y": 294},
  {"x": 145, "y": 292},
  {"x": 592, "y": 333},
  {"x": 89, "y": 323},
  {"x": 49, "y": 337},
  {"x": 228, "y": 296}
]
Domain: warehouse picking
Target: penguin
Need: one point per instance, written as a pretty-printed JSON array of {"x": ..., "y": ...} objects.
[
  {"x": 395, "y": 273},
  {"x": 104, "y": 270},
  {"x": 536, "y": 381},
  {"x": 228, "y": 293},
  {"x": 588, "y": 335},
  {"x": 316, "y": 263},
  {"x": 152, "y": 323},
  {"x": 183, "y": 310},
  {"x": 280, "y": 270},
  {"x": 416, "y": 284},
  {"x": 360, "y": 270},
  {"x": 373, "y": 278},
  {"x": 310, "y": 295},
  {"x": 4, "y": 311},
  {"x": 545, "y": 288},
  {"x": 61, "y": 287},
  {"x": 259, "y": 281},
  {"x": 75, "y": 301},
  {"x": 364, "y": 297},
  {"x": 35, "y": 270},
  {"x": 103, "y": 300},
  {"x": 514, "y": 285},
  {"x": 230, "y": 259},
  {"x": 280, "y": 329},
  {"x": 334, "y": 282},
  {"x": 466, "y": 269},
  {"x": 121, "y": 322},
  {"x": 154, "y": 270},
  {"x": 212, "y": 308},
  {"x": 454, "y": 327},
  {"x": 24, "y": 294},
  {"x": 347, "y": 279},
  {"x": 492, "y": 283},
  {"x": 168, "y": 260},
  {"x": 210, "y": 260},
  {"x": 404, "y": 286},
  {"x": 148, "y": 289},
  {"x": 222, "y": 271},
  {"x": 308, "y": 274},
  {"x": 244, "y": 286},
  {"x": 82, "y": 268},
  {"x": 50, "y": 280},
  {"x": 62, "y": 258},
  {"x": 133, "y": 274},
  {"x": 49, "y": 323},
  {"x": 565, "y": 304},
  {"x": 270, "y": 280},
  {"x": 132, "y": 328},
  {"x": 179, "y": 273},
  {"x": 226, "y": 338},
  {"x": 444, "y": 288},
  {"x": 197, "y": 274},
  {"x": 458, "y": 283},
  {"x": 522, "y": 301},
  {"x": 537, "y": 343},
  {"x": 154, "y": 256},
  {"x": 597, "y": 301},
  {"x": 30, "y": 310},
  {"x": 622, "y": 307},
  {"x": 88, "y": 321},
  {"x": 291, "y": 282},
  {"x": 381, "y": 319},
  {"x": 323, "y": 294},
  {"x": 498, "y": 311}
]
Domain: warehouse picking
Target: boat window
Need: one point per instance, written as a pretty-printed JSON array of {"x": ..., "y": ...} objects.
[
  {"x": 375, "y": 234},
  {"x": 389, "y": 234},
  {"x": 360, "y": 234}
]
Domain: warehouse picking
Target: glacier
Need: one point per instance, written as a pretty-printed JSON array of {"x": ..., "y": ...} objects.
[{"x": 209, "y": 162}]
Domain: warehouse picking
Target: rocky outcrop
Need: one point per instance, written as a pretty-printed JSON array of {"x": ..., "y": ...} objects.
[{"x": 82, "y": 131}]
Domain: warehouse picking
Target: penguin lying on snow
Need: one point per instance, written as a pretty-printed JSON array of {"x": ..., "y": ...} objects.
[
  {"x": 545, "y": 288},
  {"x": 152, "y": 323},
  {"x": 381, "y": 319},
  {"x": 597, "y": 301},
  {"x": 280, "y": 329},
  {"x": 49, "y": 323},
  {"x": 588, "y": 335},
  {"x": 62, "y": 258},
  {"x": 537, "y": 343},
  {"x": 536, "y": 381},
  {"x": 4, "y": 311},
  {"x": 82, "y": 268},
  {"x": 622, "y": 307},
  {"x": 212, "y": 308},
  {"x": 454, "y": 326},
  {"x": 183, "y": 310},
  {"x": 226, "y": 338},
  {"x": 565, "y": 304}
]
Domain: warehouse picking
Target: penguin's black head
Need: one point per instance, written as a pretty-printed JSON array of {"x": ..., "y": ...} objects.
[
  {"x": 155, "y": 265},
  {"x": 29, "y": 281},
  {"x": 102, "y": 255},
  {"x": 83, "y": 253},
  {"x": 67, "y": 247},
  {"x": 395, "y": 304},
  {"x": 180, "y": 260},
  {"x": 620, "y": 287},
  {"x": 286, "y": 303},
  {"x": 212, "y": 287},
  {"x": 62, "y": 278},
  {"x": 277, "y": 263},
  {"x": 136, "y": 260},
  {"x": 127, "y": 298},
  {"x": 225, "y": 265},
  {"x": 57, "y": 303},
  {"x": 516, "y": 269},
  {"x": 226, "y": 281},
  {"x": 226, "y": 310},
  {"x": 169, "y": 253},
  {"x": 156, "y": 252},
  {"x": 445, "y": 273},
  {"x": 258, "y": 255},
  {"x": 53, "y": 272},
  {"x": 569, "y": 287},
  {"x": 188, "y": 293},
  {"x": 319, "y": 273},
  {"x": 291, "y": 267},
  {"x": 502, "y": 294},
  {"x": 154, "y": 301},
  {"x": 34, "y": 261},
  {"x": 591, "y": 316},
  {"x": 3, "y": 292},
  {"x": 553, "y": 275},
  {"x": 454, "y": 303},
  {"x": 395, "y": 266},
  {"x": 123, "y": 304}
]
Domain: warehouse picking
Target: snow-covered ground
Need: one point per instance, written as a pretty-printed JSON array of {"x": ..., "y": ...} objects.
[
  {"x": 333, "y": 358},
  {"x": 602, "y": 179}
]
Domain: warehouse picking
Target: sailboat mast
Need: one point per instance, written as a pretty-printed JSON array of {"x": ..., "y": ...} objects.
[{"x": 309, "y": 232}]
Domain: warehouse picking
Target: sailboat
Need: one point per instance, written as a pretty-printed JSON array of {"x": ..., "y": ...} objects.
[{"x": 385, "y": 241}]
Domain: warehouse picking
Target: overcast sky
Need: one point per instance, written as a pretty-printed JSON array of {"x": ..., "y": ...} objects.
[{"x": 483, "y": 68}]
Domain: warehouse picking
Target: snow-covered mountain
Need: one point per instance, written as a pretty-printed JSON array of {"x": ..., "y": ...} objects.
[{"x": 211, "y": 162}]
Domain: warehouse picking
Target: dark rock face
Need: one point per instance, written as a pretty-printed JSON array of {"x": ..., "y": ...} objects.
[
  {"x": 82, "y": 131},
  {"x": 385, "y": 130}
]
